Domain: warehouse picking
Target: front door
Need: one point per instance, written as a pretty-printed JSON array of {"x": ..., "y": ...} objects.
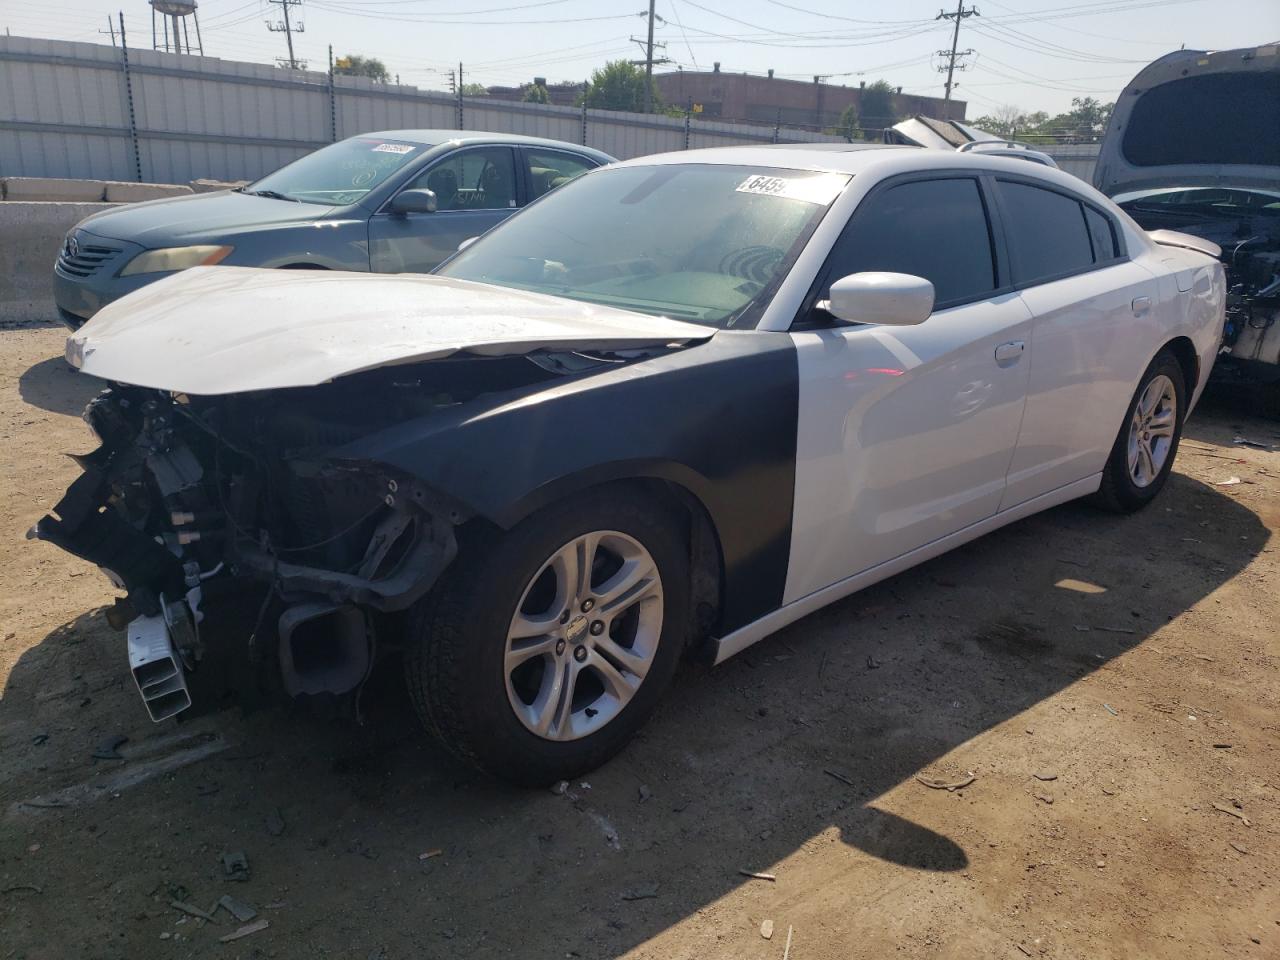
[
  {"x": 906, "y": 433},
  {"x": 475, "y": 189}
]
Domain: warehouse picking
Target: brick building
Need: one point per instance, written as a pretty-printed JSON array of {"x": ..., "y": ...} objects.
[{"x": 770, "y": 99}]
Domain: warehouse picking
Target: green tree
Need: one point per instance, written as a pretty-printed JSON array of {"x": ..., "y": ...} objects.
[
  {"x": 877, "y": 109},
  {"x": 847, "y": 126},
  {"x": 618, "y": 85},
  {"x": 474, "y": 90},
  {"x": 354, "y": 65},
  {"x": 1086, "y": 120},
  {"x": 536, "y": 93}
]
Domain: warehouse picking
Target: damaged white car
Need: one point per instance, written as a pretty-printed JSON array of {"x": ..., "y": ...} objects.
[{"x": 671, "y": 407}]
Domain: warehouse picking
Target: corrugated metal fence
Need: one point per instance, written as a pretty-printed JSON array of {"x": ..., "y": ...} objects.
[{"x": 82, "y": 110}]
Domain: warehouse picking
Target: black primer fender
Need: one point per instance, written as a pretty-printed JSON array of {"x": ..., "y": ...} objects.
[{"x": 718, "y": 418}]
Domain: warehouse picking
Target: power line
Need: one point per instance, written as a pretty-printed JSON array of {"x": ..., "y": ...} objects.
[
  {"x": 288, "y": 28},
  {"x": 960, "y": 14}
]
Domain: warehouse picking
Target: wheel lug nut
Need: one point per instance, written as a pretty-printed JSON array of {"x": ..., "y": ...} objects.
[
  {"x": 559, "y": 647},
  {"x": 597, "y": 628},
  {"x": 587, "y": 604},
  {"x": 579, "y": 653}
]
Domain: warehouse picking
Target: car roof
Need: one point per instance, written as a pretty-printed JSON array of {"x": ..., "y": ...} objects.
[
  {"x": 830, "y": 147},
  {"x": 886, "y": 160},
  {"x": 435, "y": 137}
]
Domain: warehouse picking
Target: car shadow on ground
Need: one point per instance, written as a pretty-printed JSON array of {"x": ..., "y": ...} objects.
[
  {"x": 373, "y": 839},
  {"x": 56, "y": 386}
]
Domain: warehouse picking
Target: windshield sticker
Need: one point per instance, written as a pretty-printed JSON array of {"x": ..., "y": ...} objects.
[
  {"x": 393, "y": 148},
  {"x": 820, "y": 189}
]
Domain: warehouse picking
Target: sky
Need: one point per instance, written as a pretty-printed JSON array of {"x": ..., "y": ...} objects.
[{"x": 1033, "y": 54}]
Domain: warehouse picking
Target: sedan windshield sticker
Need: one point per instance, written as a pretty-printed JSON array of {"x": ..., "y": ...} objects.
[
  {"x": 393, "y": 148},
  {"x": 821, "y": 189}
]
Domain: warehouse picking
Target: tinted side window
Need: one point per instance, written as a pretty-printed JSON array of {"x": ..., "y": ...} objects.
[
  {"x": 1047, "y": 233},
  {"x": 1100, "y": 232},
  {"x": 481, "y": 178},
  {"x": 548, "y": 170},
  {"x": 936, "y": 229}
]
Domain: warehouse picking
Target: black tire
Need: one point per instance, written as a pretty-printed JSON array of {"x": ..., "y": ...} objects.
[
  {"x": 458, "y": 634},
  {"x": 1119, "y": 493}
]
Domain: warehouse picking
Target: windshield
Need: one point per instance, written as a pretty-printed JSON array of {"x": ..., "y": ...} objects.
[
  {"x": 339, "y": 174},
  {"x": 1202, "y": 201},
  {"x": 694, "y": 242}
]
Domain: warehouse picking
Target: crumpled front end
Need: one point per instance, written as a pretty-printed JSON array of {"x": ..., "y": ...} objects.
[{"x": 255, "y": 559}]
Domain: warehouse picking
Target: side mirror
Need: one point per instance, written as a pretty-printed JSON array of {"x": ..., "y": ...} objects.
[
  {"x": 466, "y": 243},
  {"x": 896, "y": 299},
  {"x": 414, "y": 201}
]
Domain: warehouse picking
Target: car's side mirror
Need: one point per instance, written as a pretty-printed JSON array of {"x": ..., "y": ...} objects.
[
  {"x": 896, "y": 299},
  {"x": 466, "y": 243},
  {"x": 414, "y": 201}
]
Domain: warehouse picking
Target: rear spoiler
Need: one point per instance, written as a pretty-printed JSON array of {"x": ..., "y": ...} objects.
[{"x": 1171, "y": 238}]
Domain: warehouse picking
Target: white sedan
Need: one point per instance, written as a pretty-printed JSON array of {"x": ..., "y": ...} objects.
[{"x": 681, "y": 402}]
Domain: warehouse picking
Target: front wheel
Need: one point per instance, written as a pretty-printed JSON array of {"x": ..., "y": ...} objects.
[
  {"x": 1142, "y": 458},
  {"x": 545, "y": 648}
]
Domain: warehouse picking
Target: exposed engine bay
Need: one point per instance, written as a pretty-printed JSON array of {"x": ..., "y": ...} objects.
[
  {"x": 258, "y": 558},
  {"x": 1245, "y": 224}
]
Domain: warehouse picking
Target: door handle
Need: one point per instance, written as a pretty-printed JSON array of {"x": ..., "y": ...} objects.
[
  {"x": 1010, "y": 352},
  {"x": 1140, "y": 306}
]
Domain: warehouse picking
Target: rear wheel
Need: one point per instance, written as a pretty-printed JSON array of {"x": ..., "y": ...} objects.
[
  {"x": 1143, "y": 454},
  {"x": 547, "y": 647}
]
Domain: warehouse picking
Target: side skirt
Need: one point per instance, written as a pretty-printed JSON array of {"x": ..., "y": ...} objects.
[{"x": 742, "y": 638}]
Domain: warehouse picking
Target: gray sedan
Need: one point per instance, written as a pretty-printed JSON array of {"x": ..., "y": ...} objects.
[{"x": 390, "y": 202}]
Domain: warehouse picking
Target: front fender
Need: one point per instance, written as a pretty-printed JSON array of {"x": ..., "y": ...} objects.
[{"x": 718, "y": 419}]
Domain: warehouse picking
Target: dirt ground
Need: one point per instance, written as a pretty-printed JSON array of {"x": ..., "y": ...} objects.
[{"x": 1113, "y": 685}]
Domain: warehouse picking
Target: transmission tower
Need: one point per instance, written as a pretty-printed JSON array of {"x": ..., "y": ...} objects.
[
  {"x": 288, "y": 27},
  {"x": 952, "y": 55}
]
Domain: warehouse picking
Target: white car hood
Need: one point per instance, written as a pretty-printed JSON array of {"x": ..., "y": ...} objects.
[{"x": 219, "y": 330}]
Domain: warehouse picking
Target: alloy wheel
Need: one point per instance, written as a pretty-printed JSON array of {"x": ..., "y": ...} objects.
[
  {"x": 1151, "y": 431},
  {"x": 584, "y": 635}
]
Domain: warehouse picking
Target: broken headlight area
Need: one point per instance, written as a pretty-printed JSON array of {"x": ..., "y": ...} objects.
[{"x": 248, "y": 552}]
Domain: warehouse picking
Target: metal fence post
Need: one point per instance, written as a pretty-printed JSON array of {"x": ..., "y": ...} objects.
[
  {"x": 460, "y": 126},
  {"x": 128, "y": 94},
  {"x": 585, "y": 87},
  {"x": 333, "y": 102},
  {"x": 688, "y": 115}
]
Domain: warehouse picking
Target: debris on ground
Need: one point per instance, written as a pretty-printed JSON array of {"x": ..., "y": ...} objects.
[
  {"x": 249, "y": 928},
  {"x": 191, "y": 911},
  {"x": 951, "y": 787},
  {"x": 755, "y": 875},
  {"x": 275, "y": 822},
  {"x": 1110, "y": 709},
  {"x": 241, "y": 911},
  {"x": 1229, "y": 482},
  {"x": 839, "y": 776},
  {"x": 873, "y": 663},
  {"x": 561, "y": 788},
  {"x": 786, "y": 953},
  {"x": 1237, "y": 848},
  {"x": 1046, "y": 797},
  {"x": 109, "y": 749},
  {"x": 646, "y": 891},
  {"x": 1023, "y": 949},
  {"x": 766, "y": 929},
  {"x": 1045, "y": 775},
  {"x": 1235, "y": 813},
  {"x": 644, "y": 792},
  {"x": 39, "y": 739},
  {"x": 430, "y": 853},
  {"x": 235, "y": 866},
  {"x": 22, "y": 888},
  {"x": 1256, "y": 444}
]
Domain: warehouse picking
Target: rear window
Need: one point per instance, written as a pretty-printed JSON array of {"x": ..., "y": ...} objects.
[
  {"x": 1048, "y": 236},
  {"x": 1217, "y": 118},
  {"x": 1101, "y": 234}
]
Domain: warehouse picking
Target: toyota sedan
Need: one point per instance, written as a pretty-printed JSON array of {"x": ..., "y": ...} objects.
[{"x": 670, "y": 408}]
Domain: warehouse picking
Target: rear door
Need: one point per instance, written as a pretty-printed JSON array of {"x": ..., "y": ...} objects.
[
  {"x": 476, "y": 188},
  {"x": 1091, "y": 339},
  {"x": 906, "y": 433},
  {"x": 547, "y": 169}
]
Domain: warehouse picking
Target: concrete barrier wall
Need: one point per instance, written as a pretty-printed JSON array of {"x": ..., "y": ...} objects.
[{"x": 30, "y": 236}]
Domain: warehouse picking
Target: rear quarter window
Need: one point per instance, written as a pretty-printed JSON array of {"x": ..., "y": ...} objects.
[{"x": 1047, "y": 232}]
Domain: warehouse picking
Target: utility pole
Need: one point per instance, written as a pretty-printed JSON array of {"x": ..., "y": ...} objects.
[
  {"x": 953, "y": 54},
  {"x": 648, "y": 61},
  {"x": 288, "y": 28}
]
